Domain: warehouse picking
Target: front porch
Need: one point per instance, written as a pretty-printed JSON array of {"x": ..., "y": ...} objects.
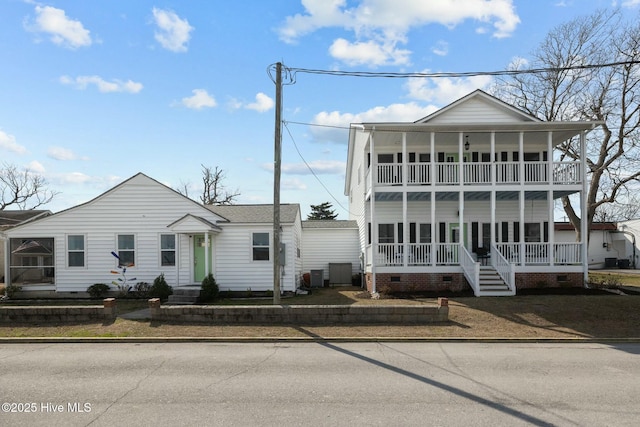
[{"x": 488, "y": 272}]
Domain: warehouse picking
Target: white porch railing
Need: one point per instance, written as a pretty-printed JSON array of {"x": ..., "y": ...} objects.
[
  {"x": 447, "y": 173},
  {"x": 447, "y": 253},
  {"x": 389, "y": 174},
  {"x": 421, "y": 254},
  {"x": 567, "y": 253},
  {"x": 566, "y": 173},
  {"x": 503, "y": 267},
  {"x": 478, "y": 173},
  {"x": 419, "y": 173},
  {"x": 471, "y": 269}
]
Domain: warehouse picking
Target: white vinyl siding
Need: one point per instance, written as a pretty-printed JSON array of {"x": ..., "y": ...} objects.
[
  {"x": 124, "y": 210},
  {"x": 323, "y": 246}
]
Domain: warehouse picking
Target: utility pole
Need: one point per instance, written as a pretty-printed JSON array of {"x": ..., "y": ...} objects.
[{"x": 277, "y": 160}]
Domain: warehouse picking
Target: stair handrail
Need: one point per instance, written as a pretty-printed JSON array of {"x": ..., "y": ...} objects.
[
  {"x": 471, "y": 269},
  {"x": 504, "y": 268}
]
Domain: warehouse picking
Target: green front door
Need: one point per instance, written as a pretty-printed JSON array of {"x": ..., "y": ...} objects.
[{"x": 199, "y": 272}]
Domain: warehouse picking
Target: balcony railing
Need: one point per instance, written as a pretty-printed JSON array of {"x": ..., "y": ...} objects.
[
  {"x": 479, "y": 173},
  {"x": 422, "y": 254}
]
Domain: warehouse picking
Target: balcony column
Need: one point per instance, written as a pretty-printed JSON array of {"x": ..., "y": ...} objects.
[
  {"x": 549, "y": 176},
  {"x": 372, "y": 218},
  {"x": 460, "y": 158},
  {"x": 493, "y": 160},
  {"x": 521, "y": 175},
  {"x": 405, "y": 175},
  {"x": 432, "y": 159}
]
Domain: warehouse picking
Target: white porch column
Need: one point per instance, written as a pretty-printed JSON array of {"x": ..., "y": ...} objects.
[
  {"x": 584, "y": 230},
  {"x": 493, "y": 159},
  {"x": 207, "y": 255},
  {"x": 549, "y": 180},
  {"x": 552, "y": 238},
  {"x": 460, "y": 158},
  {"x": 405, "y": 178},
  {"x": 432, "y": 159},
  {"x": 433, "y": 228},
  {"x": 372, "y": 219},
  {"x": 521, "y": 205}
]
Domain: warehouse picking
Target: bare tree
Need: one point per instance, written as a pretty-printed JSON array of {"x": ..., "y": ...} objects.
[
  {"x": 568, "y": 92},
  {"x": 214, "y": 191},
  {"x": 23, "y": 189}
]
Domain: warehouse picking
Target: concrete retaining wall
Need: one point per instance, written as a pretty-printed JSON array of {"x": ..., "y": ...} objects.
[
  {"x": 302, "y": 314},
  {"x": 58, "y": 313}
]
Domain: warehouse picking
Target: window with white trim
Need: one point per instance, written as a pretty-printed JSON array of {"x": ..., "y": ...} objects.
[
  {"x": 167, "y": 250},
  {"x": 75, "y": 250},
  {"x": 126, "y": 249},
  {"x": 260, "y": 246}
]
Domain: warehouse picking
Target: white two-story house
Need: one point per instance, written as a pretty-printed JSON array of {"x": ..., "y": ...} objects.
[{"x": 466, "y": 197}]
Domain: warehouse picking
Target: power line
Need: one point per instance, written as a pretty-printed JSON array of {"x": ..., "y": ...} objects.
[
  {"x": 312, "y": 171},
  {"x": 292, "y": 71}
]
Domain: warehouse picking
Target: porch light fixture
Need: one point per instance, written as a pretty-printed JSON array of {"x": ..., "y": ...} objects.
[{"x": 466, "y": 142}]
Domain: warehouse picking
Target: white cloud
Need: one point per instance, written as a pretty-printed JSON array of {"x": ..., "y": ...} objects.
[
  {"x": 293, "y": 184},
  {"x": 62, "y": 30},
  {"x": 173, "y": 33},
  {"x": 81, "y": 82},
  {"x": 35, "y": 166},
  {"x": 331, "y": 123},
  {"x": 379, "y": 26},
  {"x": 74, "y": 178},
  {"x": 60, "y": 153},
  {"x": 370, "y": 53},
  {"x": 8, "y": 142},
  {"x": 443, "y": 90},
  {"x": 441, "y": 48},
  {"x": 320, "y": 167},
  {"x": 199, "y": 100},
  {"x": 631, "y": 3},
  {"x": 262, "y": 104}
]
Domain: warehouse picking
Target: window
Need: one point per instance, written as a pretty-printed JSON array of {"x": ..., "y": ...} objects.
[
  {"x": 126, "y": 249},
  {"x": 425, "y": 233},
  {"x": 75, "y": 251},
  {"x": 167, "y": 250},
  {"x": 31, "y": 261},
  {"x": 532, "y": 232},
  {"x": 260, "y": 246},
  {"x": 385, "y": 233},
  {"x": 385, "y": 158}
]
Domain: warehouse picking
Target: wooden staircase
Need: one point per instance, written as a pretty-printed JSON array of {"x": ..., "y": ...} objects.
[{"x": 491, "y": 284}]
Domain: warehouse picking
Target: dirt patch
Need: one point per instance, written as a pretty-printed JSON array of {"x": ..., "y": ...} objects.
[{"x": 580, "y": 314}]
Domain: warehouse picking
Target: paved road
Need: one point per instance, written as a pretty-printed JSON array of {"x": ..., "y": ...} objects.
[{"x": 287, "y": 384}]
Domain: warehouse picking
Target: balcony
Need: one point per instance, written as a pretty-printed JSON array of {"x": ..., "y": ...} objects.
[
  {"x": 443, "y": 254},
  {"x": 478, "y": 173}
]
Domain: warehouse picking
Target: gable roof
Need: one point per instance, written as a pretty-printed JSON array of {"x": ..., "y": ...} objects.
[
  {"x": 255, "y": 214},
  {"x": 480, "y": 99},
  {"x": 12, "y": 218}
]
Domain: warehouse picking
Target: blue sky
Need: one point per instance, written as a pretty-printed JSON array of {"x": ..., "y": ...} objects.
[{"x": 95, "y": 91}]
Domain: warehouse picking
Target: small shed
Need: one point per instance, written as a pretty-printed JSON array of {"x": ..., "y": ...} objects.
[{"x": 333, "y": 247}]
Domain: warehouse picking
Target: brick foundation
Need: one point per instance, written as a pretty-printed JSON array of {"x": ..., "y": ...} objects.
[{"x": 456, "y": 282}]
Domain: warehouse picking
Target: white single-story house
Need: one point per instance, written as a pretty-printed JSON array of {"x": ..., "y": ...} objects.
[
  {"x": 465, "y": 197},
  {"x": 156, "y": 230}
]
